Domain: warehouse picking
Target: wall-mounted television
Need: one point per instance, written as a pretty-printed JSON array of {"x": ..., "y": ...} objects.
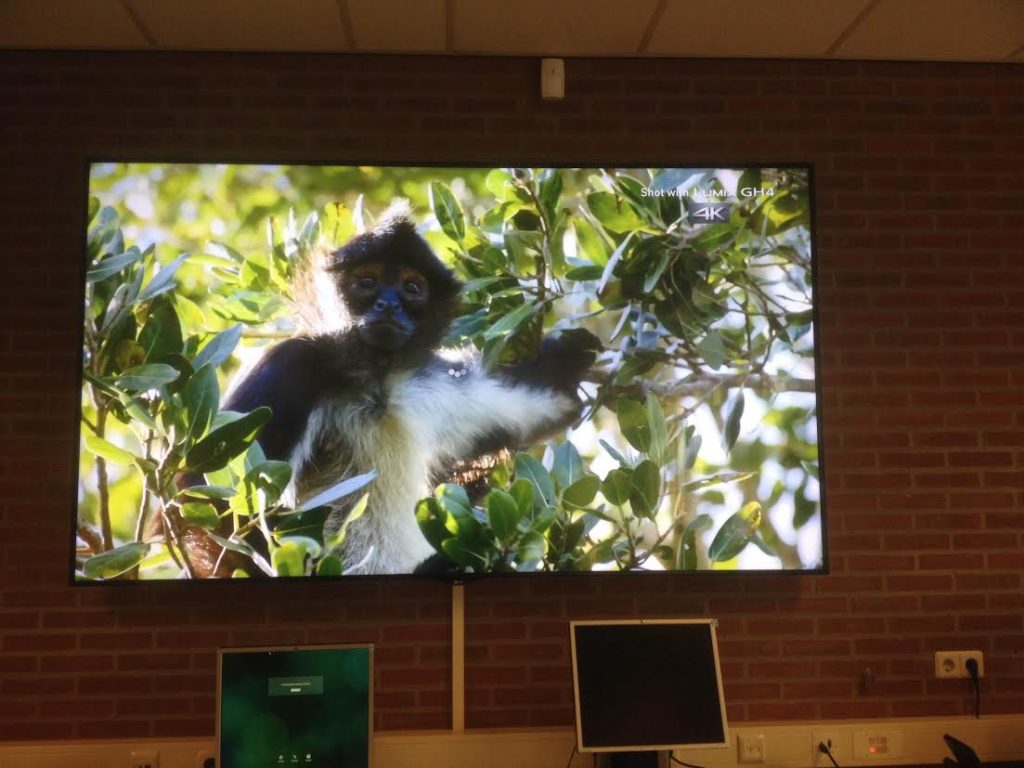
[
  {"x": 301, "y": 706},
  {"x": 647, "y": 685},
  {"x": 295, "y": 371}
]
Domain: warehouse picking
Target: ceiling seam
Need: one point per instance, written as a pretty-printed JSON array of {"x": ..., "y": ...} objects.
[
  {"x": 347, "y": 31},
  {"x": 851, "y": 27},
  {"x": 128, "y": 8},
  {"x": 652, "y": 24}
]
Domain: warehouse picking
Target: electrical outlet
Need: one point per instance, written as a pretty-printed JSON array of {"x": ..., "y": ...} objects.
[
  {"x": 954, "y": 663},
  {"x": 839, "y": 744},
  {"x": 978, "y": 656},
  {"x": 751, "y": 748},
  {"x": 205, "y": 759},
  {"x": 144, "y": 758}
]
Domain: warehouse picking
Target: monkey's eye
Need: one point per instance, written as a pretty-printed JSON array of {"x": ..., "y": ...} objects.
[
  {"x": 413, "y": 289},
  {"x": 367, "y": 282}
]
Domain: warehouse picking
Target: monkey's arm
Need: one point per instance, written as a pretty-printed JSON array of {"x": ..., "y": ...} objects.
[
  {"x": 289, "y": 380},
  {"x": 474, "y": 412}
]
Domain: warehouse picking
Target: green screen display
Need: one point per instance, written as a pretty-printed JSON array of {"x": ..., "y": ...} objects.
[{"x": 307, "y": 707}]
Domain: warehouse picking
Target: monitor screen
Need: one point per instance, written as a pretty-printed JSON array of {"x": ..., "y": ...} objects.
[
  {"x": 310, "y": 707},
  {"x": 366, "y": 370},
  {"x": 647, "y": 685}
]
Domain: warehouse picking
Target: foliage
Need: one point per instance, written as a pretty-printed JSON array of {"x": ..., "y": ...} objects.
[{"x": 697, "y": 448}]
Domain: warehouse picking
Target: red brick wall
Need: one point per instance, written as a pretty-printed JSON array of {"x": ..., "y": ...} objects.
[{"x": 920, "y": 222}]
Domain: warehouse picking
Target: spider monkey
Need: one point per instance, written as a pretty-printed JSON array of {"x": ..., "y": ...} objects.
[{"x": 369, "y": 388}]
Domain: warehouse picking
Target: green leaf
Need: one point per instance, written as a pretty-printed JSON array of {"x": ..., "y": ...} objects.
[
  {"x": 330, "y": 565},
  {"x": 141, "y": 378},
  {"x": 308, "y": 523},
  {"x": 219, "y": 348},
  {"x": 658, "y": 429},
  {"x": 582, "y": 492},
  {"x": 568, "y": 466},
  {"x": 463, "y": 555},
  {"x": 201, "y": 398},
  {"x": 221, "y": 492},
  {"x": 94, "y": 208},
  {"x": 522, "y": 491},
  {"x": 615, "y": 215},
  {"x": 161, "y": 337},
  {"x": 543, "y": 487},
  {"x": 272, "y": 476},
  {"x": 224, "y": 443},
  {"x": 448, "y": 211},
  {"x": 108, "y": 450},
  {"x": 633, "y": 423},
  {"x": 732, "y": 421},
  {"x": 735, "y": 533},
  {"x": 454, "y": 500},
  {"x": 652, "y": 278},
  {"x": 431, "y": 520},
  {"x": 712, "y": 480},
  {"x": 202, "y": 514},
  {"x": 163, "y": 280},
  {"x": 646, "y": 490},
  {"x": 502, "y": 514},
  {"x": 712, "y": 349},
  {"x": 617, "y": 486},
  {"x": 583, "y": 272},
  {"x": 693, "y": 444},
  {"x": 613, "y": 453},
  {"x": 346, "y": 487},
  {"x": 289, "y": 559},
  {"x": 510, "y": 322},
  {"x": 803, "y": 508},
  {"x": 112, "y": 265},
  {"x": 531, "y": 547},
  {"x": 114, "y": 562},
  {"x": 686, "y": 555}
]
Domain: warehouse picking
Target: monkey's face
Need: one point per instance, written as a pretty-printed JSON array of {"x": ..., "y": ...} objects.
[{"x": 387, "y": 302}]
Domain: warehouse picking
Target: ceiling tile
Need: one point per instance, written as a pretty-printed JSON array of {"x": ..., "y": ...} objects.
[
  {"x": 790, "y": 28},
  {"x": 964, "y": 30},
  {"x": 67, "y": 24},
  {"x": 556, "y": 27},
  {"x": 270, "y": 25},
  {"x": 398, "y": 25}
]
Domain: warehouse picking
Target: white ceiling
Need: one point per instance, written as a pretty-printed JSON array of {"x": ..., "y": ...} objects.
[{"x": 933, "y": 30}]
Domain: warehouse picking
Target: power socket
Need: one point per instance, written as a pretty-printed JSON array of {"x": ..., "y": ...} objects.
[
  {"x": 839, "y": 744},
  {"x": 954, "y": 663},
  {"x": 205, "y": 759},
  {"x": 144, "y": 758}
]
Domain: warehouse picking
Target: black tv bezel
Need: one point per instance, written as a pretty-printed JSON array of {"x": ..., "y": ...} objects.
[{"x": 160, "y": 159}]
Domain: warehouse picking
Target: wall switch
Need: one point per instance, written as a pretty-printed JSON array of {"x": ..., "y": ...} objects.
[
  {"x": 144, "y": 758},
  {"x": 751, "y": 748}
]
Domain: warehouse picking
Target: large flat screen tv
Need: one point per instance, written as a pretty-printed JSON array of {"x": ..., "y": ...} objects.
[
  {"x": 304, "y": 706},
  {"x": 298, "y": 371},
  {"x": 647, "y": 685}
]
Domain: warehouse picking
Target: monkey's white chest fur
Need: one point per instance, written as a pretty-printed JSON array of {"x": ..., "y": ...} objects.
[
  {"x": 408, "y": 429},
  {"x": 392, "y": 434}
]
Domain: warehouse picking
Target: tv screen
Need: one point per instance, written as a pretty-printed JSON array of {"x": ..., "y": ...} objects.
[
  {"x": 299, "y": 706},
  {"x": 295, "y": 371},
  {"x": 647, "y": 685}
]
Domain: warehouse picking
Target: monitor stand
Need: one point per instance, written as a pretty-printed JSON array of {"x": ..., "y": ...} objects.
[{"x": 632, "y": 759}]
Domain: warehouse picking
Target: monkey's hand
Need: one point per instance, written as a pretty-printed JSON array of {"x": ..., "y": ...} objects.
[{"x": 563, "y": 361}]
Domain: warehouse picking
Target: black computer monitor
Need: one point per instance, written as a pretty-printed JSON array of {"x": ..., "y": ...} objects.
[
  {"x": 295, "y": 707},
  {"x": 647, "y": 685}
]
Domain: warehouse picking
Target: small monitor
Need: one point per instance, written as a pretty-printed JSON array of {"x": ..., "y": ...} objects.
[
  {"x": 295, "y": 707},
  {"x": 647, "y": 685}
]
